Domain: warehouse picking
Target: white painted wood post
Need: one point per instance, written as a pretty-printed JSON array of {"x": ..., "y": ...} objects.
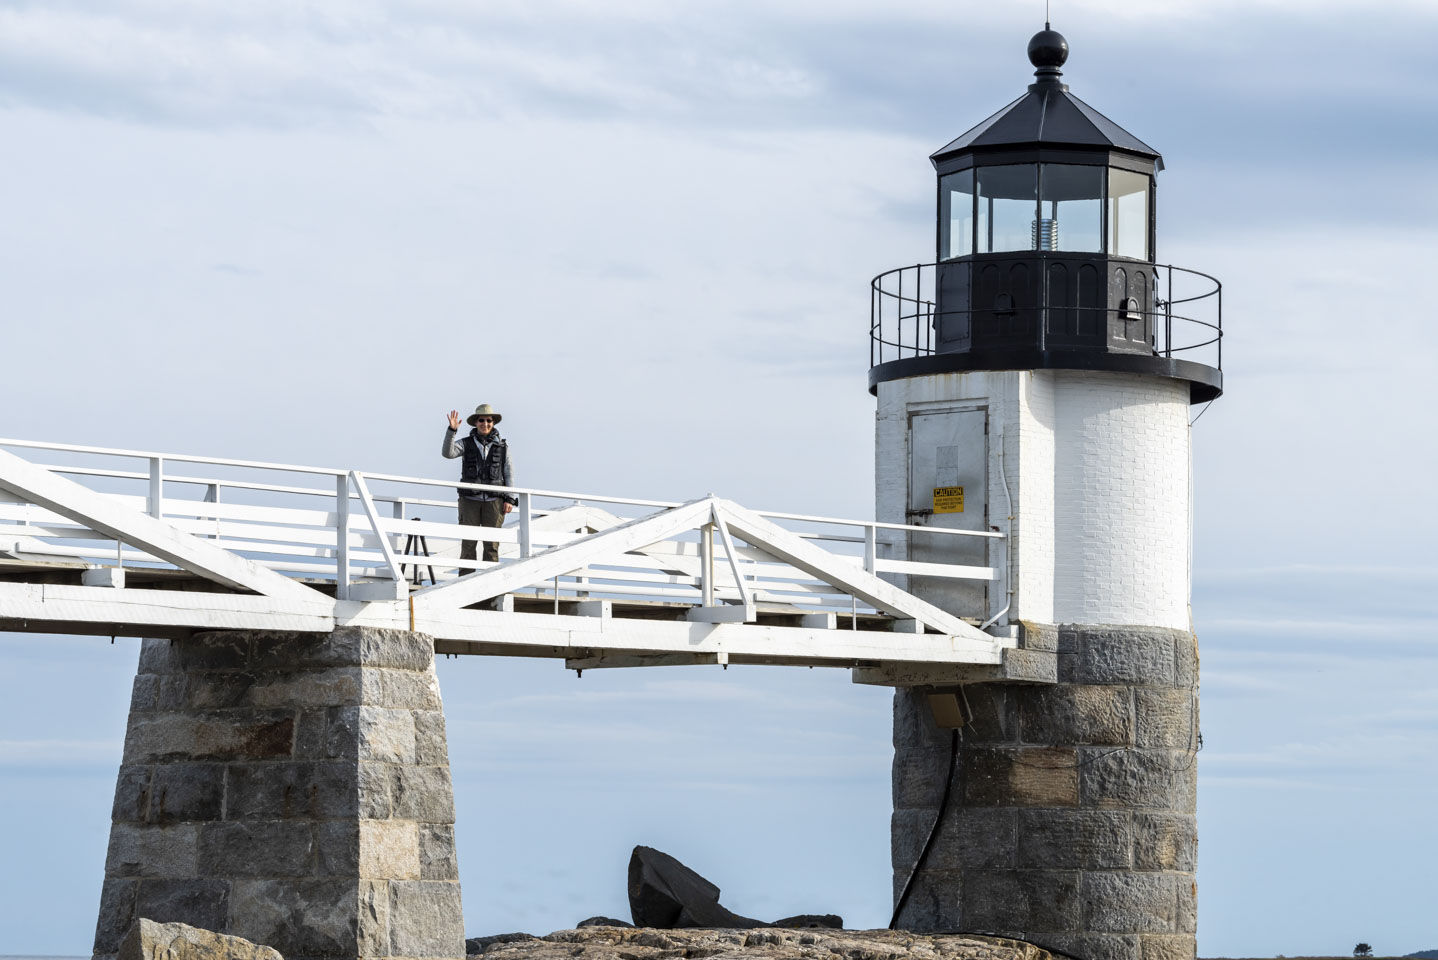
[
  {"x": 212, "y": 495},
  {"x": 396, "y": 509},
  {"x": 706, "y": 565},
  {"x": 342, "y": 536},
  {"x": 581, "y": 580},
  {"x": 525, "y": 545},
  {"x": 157, "y": 487},
  {"x": 871, "y": 547}
]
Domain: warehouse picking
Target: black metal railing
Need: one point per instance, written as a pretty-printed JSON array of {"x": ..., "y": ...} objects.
[{"x": 1187, "y": 319}]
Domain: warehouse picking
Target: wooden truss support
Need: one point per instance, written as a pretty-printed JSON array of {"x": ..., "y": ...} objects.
[
  {"x": 849, "y": 577},
  {"x": 729, "y": 518},
  {"x": 558, "y": 561},
  {"x": 103, "y": 515}
]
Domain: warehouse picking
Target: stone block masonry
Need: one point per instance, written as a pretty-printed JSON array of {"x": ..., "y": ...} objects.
[
  {"x": 1071, "y": 824},
  {"x": 291, "y": 789}
]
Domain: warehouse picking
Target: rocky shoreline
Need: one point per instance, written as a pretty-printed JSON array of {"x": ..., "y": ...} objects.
[
  {"x": 770, "y": 943},
  {"x": 148, "y": 940}
]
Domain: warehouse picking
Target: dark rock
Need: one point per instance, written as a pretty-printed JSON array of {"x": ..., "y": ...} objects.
[
  {"x": 473, "y": 946},
  {"x": 811, "y": 921},
  {"x": 603, "y": 922},
  {"x": 666, "y": 894}
]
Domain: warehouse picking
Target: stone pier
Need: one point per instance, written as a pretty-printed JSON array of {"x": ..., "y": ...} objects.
[
  {"x": 292, "y": 789},
  {"x": 1071, "y": 823}
]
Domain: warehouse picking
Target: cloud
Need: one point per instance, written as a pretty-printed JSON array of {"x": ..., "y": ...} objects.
[
  {"x": 1328, "y": 757},
  {"x": 235, "y": 270},
  {"x": 59, "y": 753},
  {"x": 1228, "y": 682},
  {"x": 675, "y": 690},
  {"x": 707, "y": 64},
  {"x": 1307, "y": 571},
  {"x": 1309, "y": 626}
]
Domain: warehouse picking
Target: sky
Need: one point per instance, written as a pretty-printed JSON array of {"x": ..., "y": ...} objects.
[{"x": 303, "y": 231}]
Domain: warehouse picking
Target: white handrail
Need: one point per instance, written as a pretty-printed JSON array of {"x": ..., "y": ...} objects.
[
  {"x": 426, "y": 481},
  {"x": 344, "y": 542},
  {"x": 186, "y": 458}
]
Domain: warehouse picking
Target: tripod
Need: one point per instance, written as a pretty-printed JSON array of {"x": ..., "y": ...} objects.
[{"x": 415, "y": 545}]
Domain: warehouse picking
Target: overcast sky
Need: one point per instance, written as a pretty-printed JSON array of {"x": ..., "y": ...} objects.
[{"x": 644, "y": 230}]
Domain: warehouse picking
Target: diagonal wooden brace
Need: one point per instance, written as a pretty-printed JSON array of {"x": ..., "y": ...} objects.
[
  {"x": 849, "y": 577},
  {"x": 101, "y": 514},
  {"x": 560, "y": 560}
]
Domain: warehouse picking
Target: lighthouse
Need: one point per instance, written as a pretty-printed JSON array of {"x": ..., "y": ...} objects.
[{"x": 1034, "y": 386}]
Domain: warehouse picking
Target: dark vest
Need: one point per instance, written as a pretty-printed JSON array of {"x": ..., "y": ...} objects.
[{"x": 477, "y": 469}]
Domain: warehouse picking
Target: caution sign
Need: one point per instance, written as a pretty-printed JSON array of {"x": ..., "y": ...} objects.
[{"x": 948, "y": 499}]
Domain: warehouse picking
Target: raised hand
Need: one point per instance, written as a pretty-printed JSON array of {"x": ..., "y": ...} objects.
[{"x": 454, "y": 419}]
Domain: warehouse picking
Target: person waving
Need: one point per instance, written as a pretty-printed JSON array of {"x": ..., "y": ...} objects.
[{"x": 486, "y": 460}]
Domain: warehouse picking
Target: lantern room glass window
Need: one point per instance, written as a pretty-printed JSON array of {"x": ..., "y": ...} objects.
[
  {"x": 956, "y": 215},
  {"x": 1128, "y": 214},
  {"x": 1064, "y": 207},
  {"x": 1007, "y": 201},
  {"x": 1070, "y": 209}
]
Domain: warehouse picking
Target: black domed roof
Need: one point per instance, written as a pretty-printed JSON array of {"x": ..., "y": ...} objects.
[{"x": 1048, "y": 114}]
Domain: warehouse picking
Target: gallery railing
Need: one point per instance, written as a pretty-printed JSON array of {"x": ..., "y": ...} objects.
[{"x": 1185, "y": 313}]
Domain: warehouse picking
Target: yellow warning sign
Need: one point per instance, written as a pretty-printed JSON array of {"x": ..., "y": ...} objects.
[{"x": 948, "y": 499}]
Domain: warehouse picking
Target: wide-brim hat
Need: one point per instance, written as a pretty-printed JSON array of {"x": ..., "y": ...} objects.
[{"x": 483, "y": 410}]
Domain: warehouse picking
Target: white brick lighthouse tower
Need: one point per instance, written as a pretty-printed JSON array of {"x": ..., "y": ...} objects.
[{"x": 1036, "y": 382}]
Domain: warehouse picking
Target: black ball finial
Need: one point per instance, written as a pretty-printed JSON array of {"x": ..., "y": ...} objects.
[{"x": 1047, "y": 51}]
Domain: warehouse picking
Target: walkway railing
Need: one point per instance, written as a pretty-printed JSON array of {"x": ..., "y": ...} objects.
[{"x": 348, "y": 528}]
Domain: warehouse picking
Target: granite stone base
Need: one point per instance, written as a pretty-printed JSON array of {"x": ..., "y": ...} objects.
[
  {"x": 291, "y": 789},
  {"x": 1071, "y": 824}
]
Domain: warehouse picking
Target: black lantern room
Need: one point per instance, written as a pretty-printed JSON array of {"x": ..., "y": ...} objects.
[{"x": 1046, "y": 252}]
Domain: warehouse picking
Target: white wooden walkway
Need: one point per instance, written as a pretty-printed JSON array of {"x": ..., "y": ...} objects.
[{"x": 121, "y": 542}]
